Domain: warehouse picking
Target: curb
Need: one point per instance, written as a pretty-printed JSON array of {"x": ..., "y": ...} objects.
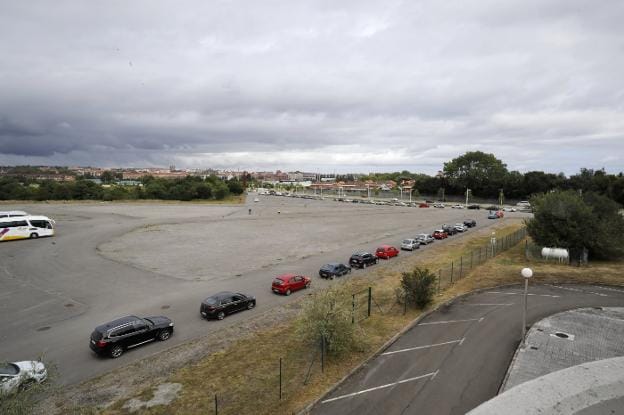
[{"x": 393, "y": 339}]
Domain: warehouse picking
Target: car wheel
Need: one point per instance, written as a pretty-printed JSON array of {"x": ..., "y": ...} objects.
[
  {"x": 288, "y": 291},
  {"x": 331, "y": 277},
  {"x": 364, "y": 265},
  {"x": 164, "y": 335},
  {"x": 220, "y": 315},
  {"x": 250, "y": 305},
  {"x": 308, "y": 284},
  {"x": 116, "y": 351},
  {"x": 34, "y": 235}
]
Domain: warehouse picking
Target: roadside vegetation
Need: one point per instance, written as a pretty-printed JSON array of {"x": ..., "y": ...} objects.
[
  {"x": 590, "y": 222},
  {"x": 185, "y": 189}
]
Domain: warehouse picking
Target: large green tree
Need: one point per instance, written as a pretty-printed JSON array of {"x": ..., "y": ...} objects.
[
  {"x": 566, "y": 219},
  {"x": 481, "y": 172}
]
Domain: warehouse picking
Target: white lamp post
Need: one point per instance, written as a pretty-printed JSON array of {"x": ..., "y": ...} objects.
[{"x": 526, "y": 274}]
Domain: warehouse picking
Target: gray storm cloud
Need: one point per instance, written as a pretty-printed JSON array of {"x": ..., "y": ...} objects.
[{"x": 354, "y": 86}]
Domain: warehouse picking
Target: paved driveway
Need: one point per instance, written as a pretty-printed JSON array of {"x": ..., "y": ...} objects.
[{"x": 457, "y": 357}]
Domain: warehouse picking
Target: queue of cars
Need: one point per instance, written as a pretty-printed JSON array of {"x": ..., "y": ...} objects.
[{"x": 113, "y": 338}]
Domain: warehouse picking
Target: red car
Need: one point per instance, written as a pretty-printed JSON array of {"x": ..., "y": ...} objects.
[
  {"x": 423, "y": 205},
  {"x": 386, "y": 252},
  {"x": 287, "y": 283},
  {"x": 500, "y": 213},
  {"x": 440, "y": 234}
]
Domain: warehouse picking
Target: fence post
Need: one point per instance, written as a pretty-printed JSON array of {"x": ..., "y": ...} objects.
[
  {"x": 439, "y": 279},
  {"x": 323, "y": 354},
  {"x": 280, "y": 380},
  {"x": 353, "y": 309},
  {"x": 451, "y": 272},
  {"x": 471, "y": 258},
  {"x": 370, "y": 298},
  {"x": 216, "y": 405},
  {"x": 461, "y": 266}
]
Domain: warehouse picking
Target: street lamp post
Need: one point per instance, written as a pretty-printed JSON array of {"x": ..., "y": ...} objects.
[{"x": 526, "y": 274}]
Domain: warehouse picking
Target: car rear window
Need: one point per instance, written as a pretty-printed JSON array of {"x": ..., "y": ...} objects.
[{"x": 278, "y": 281}]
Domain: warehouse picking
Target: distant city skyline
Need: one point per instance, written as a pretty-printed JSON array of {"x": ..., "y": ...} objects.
[{"x": 346, "y": 87}]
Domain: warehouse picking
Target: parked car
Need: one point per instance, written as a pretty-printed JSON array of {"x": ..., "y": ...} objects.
[
  {"x": 423, "y": 205},
  {"x": 438, "y": 205},
  {"x": 509, "y": 209},
  {"x": 460, "y": 227},
  {"x": 410, "y": 244},
  {"x": 221, "y": 304},
  {"x": 450, "y": 230},
  {"x": 16, "y": 374},
  {"x": 471, "y": 223},
  {"x": 362, "y": 259},
  {"x": 287, "y": 283},
  {"x": 492, "y": 215},
  {"x": 458, "y": 206},
  {"x": 115, "y": 337},
  {"x": 492, "y": 207},
  {"x": 425, "y": 239},
  {"x": 334, "y": 269},
  {"x": 474, "y": 206},
  {"x": 386, "y": 252},
  {"x": 439, "y": 234},
  {"x": 256, "y": 200}
]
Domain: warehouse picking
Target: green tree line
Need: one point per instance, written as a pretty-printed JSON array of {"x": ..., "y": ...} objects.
[
  {"x": 187, "y": 188},
  {"x": 486, "y": 176}
]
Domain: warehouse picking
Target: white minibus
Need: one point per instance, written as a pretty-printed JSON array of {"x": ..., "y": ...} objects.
[{"x": 25, "y": 227}]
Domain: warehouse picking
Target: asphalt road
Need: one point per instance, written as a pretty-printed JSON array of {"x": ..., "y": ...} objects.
[
  {"x": 455, "y": 358},
  {"x": 54, "y": 291}
]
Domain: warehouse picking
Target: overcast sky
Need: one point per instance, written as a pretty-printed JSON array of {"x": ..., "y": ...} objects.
[{"x": 345, "y": 86}]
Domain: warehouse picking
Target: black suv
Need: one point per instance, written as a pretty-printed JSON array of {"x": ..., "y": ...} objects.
[
  {"x": 333, "y": 270},
  {"x": 450, "y": 230},
  {"x": 474, "y": 207},
  {"x": 471, "y": 223},
  {"x": 224, "y": 303},
  {"x": 127, "y": 332},
  {"x": 362, "y": 259}
]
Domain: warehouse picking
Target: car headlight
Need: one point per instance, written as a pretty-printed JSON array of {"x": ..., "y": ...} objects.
[{"x": 170, "y": 324}]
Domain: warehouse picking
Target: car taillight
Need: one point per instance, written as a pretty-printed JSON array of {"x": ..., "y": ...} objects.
[{"x": 101, "y": 343}]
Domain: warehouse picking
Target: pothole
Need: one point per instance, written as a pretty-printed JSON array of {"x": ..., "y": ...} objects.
[
  {"x": 44, "y": 328},
  {"x": 534, "y": 348},
  {"x": 165, "y": 307},
  {"x": 69, "y": 305},
  {"x": 562, "y": 335}
]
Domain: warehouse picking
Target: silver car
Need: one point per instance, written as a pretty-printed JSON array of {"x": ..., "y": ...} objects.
[
  {"x": 12, "y": 375},
  {"x": 410, "y": 244},
  {"x": 425, "y": 239}
]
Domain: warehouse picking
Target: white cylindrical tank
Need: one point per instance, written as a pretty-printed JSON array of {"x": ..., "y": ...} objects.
[{"x": 560, "y": 254}]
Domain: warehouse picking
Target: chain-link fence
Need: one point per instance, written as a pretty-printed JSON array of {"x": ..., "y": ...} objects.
[
  {"x": 539, "y": 253},
  {"x": 460, "y": 267}
]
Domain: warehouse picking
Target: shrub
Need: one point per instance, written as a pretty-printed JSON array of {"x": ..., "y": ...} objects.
[
  {"x": 418, "y": 287},
  {"x": 328, "y": 314}
]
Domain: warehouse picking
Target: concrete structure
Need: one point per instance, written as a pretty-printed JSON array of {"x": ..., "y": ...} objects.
[{"x": 589, "y": 388}]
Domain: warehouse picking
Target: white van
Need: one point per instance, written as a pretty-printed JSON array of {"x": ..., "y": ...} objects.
[
  {"x": 523, "y": 204},
  {"x": 24, "y": 227},
  {"x": 12, "y": 213}
]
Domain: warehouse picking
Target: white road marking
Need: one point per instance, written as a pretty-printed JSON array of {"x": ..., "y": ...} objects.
[
  {"x": 611, "y": 289},
  {"x": 451, "y": 321},
  {"x": 460, "y": 341},
  {"x": 579, "y": 290},
  {"x": 514, "y": 293},
  {"x": 489, "y": 304},
  {"x": 431, "y": 375}
]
